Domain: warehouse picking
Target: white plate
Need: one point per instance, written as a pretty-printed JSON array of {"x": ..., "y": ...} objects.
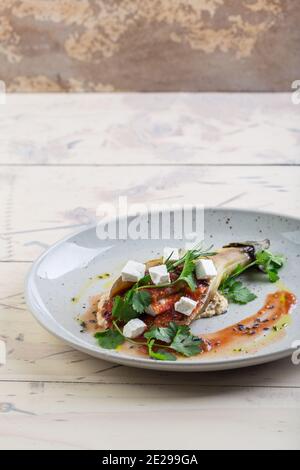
[{"x": 65, "y": 270}]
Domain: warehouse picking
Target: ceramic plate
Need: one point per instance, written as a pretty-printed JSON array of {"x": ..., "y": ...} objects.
[{"x": 63, "y": 279}]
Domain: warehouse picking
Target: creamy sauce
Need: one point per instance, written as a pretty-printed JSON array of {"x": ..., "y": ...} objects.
[{"x": 247, "y": 336}]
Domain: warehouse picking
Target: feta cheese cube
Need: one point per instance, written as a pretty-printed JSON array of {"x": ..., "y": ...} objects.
[
  {"x": 171, "y": 254},
  {"x": 134, "y": 328},
  {"x": 159, "y": 274},
  {"x": 133, "y": 271},
  {"x": 205, "y": 269},
  {"x": 185, "y": 305}
]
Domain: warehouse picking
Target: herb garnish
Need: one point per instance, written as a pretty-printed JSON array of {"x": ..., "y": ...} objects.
[
  {"x": 236, "y": 292},
  {"x": 160, "y": 354},
  {"x": 123, "y": 309},
  {"x": 178, "y": 337},
  {"x": 140, "y": 300},
  {"x": 175, "y": 337},
  {"x": 270, "y": 264},
  {"x": 187, "y": 273},
  {"x": 109, "y": 339}
]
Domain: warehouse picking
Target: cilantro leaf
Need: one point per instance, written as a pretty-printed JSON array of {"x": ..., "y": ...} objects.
[
  {"x": 123, "y": 309},
  {"x": 270, "y": 264},
  {"x": 273, "y": 275},
  {"x": 165, "y": 335},
  {"x": 160, "y": 354},
  {"x": 140, "y": 300},
  {"x": 109, "y": 339},
  {"x": 187, "y": 273},
  {"x": 179, "y": 338},
  {"x": 185, "y": 343},
  {"x": 236, "y": 292}
]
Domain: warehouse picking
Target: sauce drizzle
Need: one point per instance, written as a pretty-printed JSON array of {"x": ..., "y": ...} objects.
[{"x": 277, "y": 305}]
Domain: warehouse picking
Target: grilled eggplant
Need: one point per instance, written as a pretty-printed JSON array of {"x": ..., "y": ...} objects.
[{"x": 209, "y": 301}]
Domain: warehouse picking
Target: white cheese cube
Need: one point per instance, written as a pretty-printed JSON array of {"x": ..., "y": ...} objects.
[
  {"x": 205, "y": 269},
  {"x": 134, "y": 328},
  {"x": 170, "y": 254},
  {"x": 185, "y": 305},
  {"x": 159, "y": 274},
  {"x": 133, "y": 271}
]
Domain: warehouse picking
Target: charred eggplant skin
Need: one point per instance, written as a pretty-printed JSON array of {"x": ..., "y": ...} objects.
[{"x": 250, "y": 247}]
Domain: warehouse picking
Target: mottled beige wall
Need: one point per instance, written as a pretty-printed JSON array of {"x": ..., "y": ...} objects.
[{"x": 149, "y": 45}]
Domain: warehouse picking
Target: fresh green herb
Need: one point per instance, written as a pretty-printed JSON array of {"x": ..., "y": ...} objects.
[
  {"x": 193, "y": 254},
  {"x": 178, "y": 337},
  {"x": 144, "y": 281},
  {"x": 164, "y": 334},
  {"x": 134, "y": 302},
  {"x": 236, "y": 292},
  {"x": 160, "y": 354},
  {"x": 123, "y": 309},
  {"x": 187, "y": 273},
  {"x": 140, "y": 300},
  {"x": 109, "y": 339},
  {"x": 185, "y": 343},
  {"x": 270, "y": 264}
]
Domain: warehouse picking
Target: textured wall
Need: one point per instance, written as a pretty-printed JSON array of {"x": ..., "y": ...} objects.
[{"x": 153, "y": 45}]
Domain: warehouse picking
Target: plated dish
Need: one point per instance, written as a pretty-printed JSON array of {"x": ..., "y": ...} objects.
[
  {"x": 225, "y": 304},
  {"x": 149, "y": 308}
]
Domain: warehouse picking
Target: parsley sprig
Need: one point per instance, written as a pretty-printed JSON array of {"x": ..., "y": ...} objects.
[
  {"x": 176, "y": 338},
  {"x": 131, "y": 305},
  {"x": 270, "y": 264},
  {"x": 236, "y": 292},
  {"x": 109, "y": 339}
]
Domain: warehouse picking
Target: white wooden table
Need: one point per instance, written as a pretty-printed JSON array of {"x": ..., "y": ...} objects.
[{"x": 60, "y": 156}]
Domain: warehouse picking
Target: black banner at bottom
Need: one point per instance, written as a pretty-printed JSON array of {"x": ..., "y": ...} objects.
[{"x": 129, "y": 459}]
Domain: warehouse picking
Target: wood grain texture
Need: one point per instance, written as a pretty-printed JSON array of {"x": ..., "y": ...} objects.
[
  {"x": 42, "y": 204},
  {"x": 85, "y": 416},
  {"x": 177, "y": 129},
  {"x": 62, "y": 156}
]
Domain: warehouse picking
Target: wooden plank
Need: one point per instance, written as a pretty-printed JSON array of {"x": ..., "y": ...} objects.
[
  {"x": 85, "y": 416},
  {"x": 42, "y": 204},
  {"x": 174, "y": 128},
  {"x": 35, "y": 355}
]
